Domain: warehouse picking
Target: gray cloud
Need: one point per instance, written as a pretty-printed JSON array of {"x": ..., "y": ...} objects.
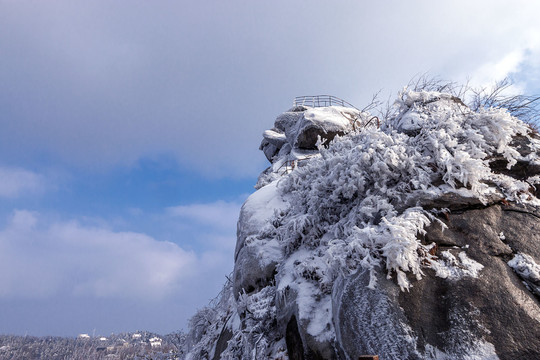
[{"x": 100, "y": 83}]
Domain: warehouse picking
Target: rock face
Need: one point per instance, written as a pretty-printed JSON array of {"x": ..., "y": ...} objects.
[
  {"x": 254, "y": 266},
  {"x": 297, "y": 131},
  {"x": 296, "y": 134},
  {"x": 494, "y": 315},
  {"x": 419, "y": 240}
]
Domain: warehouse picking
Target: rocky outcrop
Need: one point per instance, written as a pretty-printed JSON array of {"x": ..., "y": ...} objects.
[
  {"x": 297, "y": 134},
  {"x": 301, "y": 127},
  {"x": 257, "y": 252},
  {"x": 455, "y": 316},
  {"x": 418, "y": 240}
]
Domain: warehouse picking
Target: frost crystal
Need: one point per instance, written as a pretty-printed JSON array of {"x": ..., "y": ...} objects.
[{"x": 525, "y": 266}]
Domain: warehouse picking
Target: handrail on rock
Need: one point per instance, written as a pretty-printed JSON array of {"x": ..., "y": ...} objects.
[
  {"x": 324, "y": 101},
  {"x": 321, "y": 101}
]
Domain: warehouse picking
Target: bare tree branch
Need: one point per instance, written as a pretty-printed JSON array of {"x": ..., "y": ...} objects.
[{"x": 499, "y": 96}]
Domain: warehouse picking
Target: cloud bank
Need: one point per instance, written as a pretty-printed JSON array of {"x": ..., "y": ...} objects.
[
  {"x": 69, "y": 259},
  {"x": 97, "y": 84},
  {"x": 47, "y": 262}
]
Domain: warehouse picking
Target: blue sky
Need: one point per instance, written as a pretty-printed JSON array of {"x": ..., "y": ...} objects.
[{"x": 130, "y": 131}]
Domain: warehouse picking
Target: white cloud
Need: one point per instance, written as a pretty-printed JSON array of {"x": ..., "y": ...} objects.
[
  {"x": 219, "y": 214},
  {"x": 519, "y": 62},
  {"x": 67, "y": 258},
  {"x": 15, "y": 182},
  {"x": 43, "y": 258},
  {"x": 83, "y": 276},
  {"x": 498, "y": 70}
]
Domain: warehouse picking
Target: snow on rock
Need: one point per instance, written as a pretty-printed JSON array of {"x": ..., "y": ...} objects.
[
  {"x": 324, "y": 122},
  {"x": 257, "y": 211},
  {"x": 449, "y": 267},
  {"x": 525, "y": 266},
  {"x": 257, "y": 250},
  {"x": 386, "y": 240},
  {"x": 481, "y": 350},
  {"x": 296, "y": 132}
]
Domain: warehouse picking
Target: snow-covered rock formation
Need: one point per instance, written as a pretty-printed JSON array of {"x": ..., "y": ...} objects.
[{"x": 418, "y": 240}]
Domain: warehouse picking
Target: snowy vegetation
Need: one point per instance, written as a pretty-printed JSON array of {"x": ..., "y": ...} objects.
[
  {"x": 119, "y": 346},
  {"x": 356, "y": 202},
  {"x": 363, "y": 203}
]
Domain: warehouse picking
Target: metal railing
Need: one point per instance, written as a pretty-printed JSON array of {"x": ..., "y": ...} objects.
[{"x": 321, "y": 101}]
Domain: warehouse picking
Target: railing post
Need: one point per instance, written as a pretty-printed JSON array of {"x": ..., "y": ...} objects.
[{"x": 321, "y": 100}]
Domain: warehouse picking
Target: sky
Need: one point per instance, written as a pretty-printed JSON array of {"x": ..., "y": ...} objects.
[{"x": 129, "y": 132}]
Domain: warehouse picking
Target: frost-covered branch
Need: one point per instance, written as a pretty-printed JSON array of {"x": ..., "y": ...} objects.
[{"x": 524, "y": 107}]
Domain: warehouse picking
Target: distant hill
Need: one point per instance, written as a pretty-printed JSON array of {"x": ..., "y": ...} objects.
[{"x": 139, "y": 345}]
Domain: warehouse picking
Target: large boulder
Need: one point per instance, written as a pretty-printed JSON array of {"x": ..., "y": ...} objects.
[
  {"x": 490, "y": 313},
  {"x": 321, "y": 123},
  {"x": 257, "y": 254},
  {"x": 370, "y": 321},
  {"x": 301, "y": 128}
]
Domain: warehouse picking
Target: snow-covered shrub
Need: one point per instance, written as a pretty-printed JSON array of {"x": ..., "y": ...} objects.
[
  {"x": 362, "y": 202},
  {"x": 206, "y": 325},
  {"x": 354, "y": 201}
]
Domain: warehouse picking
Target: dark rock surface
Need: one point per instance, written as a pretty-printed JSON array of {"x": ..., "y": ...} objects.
[
  {"x": 370, "y": 321},
  {"x": 221, "y": 344},
  {"x": 453, "y": 315},
  {"x": 297, "y": 332},
  {"x": 301, "y": 128}
]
